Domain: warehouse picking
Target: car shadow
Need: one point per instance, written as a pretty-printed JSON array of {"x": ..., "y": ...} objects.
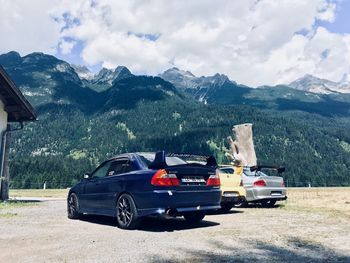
[
  {"x": 219, "y": 212},
  {"x": 257, "y": 205},
  {"x": 152, "y": 224},
  {"x": 159, "y": 224}
]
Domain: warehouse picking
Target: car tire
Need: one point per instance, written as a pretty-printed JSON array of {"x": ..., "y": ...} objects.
[
  {"x": 73, "y": 207},
  {"x": 194, "y": 217},
  {"x": 225, "y": 207},
  {"x": 268, "y": 203},
  {"x": 241, "y": 204},
  {"x": 127, "y": 216}
]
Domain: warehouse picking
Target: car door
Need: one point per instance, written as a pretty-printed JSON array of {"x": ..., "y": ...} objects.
[
  {"x": 93, "y": 194},
  {"x": 113, "y": 184}
]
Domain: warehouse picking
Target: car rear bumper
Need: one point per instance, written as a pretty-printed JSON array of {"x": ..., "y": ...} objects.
[
  {"x": 231, "y": 197},
  {"x": 178, "y": 201},
  {"x": 266, "y": 193},
  {"x": 175, "y": 211}
]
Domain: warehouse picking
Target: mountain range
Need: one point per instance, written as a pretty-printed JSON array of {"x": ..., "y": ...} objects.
[
  {"x": 85, "y": 118},
  {"x": 185, "y": 80},
  {"x": 308, "y": 93}
]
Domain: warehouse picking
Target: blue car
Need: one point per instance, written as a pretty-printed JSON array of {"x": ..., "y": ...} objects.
[{"x": 134, "y": 185}]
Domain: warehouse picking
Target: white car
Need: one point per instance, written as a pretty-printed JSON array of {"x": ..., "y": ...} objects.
[{"x": 262, "y": 188}]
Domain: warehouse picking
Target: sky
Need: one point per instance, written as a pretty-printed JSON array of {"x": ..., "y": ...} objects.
[{"x": 254, "y": 42}]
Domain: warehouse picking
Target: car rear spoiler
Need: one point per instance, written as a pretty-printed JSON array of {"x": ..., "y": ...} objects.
[
  {"x": 279, "y": 169},
  {"x": 160, "y": 161}
]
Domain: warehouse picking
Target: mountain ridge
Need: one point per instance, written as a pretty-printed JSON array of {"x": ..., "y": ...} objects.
[
  {"x": 64, "y": 85},
  {"x": 185, "y": 79}
]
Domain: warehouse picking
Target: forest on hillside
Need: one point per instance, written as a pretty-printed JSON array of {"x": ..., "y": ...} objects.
[{"x": 66, "y": 142}]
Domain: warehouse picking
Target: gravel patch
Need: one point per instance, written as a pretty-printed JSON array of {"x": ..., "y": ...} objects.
[{"x": 43, "y": 233}]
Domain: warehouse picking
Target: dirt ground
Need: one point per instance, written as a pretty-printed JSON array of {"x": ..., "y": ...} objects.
[{"x": 312, "y": 226}]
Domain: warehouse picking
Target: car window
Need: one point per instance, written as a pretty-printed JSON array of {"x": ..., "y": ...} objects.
[
  {"x": 247, "y": 172},
  {"x": 227, "y": 170},
  {"x": 172, "y": 161},
  {"x": 102, "y": 170},
  {"x": 148, "y": 158},
  {"x": 120, "y": 167}
]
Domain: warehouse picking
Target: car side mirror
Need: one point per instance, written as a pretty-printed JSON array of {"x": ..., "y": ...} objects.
[{"x": 86, "y": 176}]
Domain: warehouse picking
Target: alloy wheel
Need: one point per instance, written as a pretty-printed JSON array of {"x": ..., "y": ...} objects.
[
  {"x": 124, "y": 211},
  {"x": 73, "y": 207}
]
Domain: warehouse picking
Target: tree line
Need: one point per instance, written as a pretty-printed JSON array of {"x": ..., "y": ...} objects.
[{"x": 66, "y": 142}]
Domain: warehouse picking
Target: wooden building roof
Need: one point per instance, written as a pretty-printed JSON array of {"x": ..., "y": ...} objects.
[{"x": 16, "y": 105}]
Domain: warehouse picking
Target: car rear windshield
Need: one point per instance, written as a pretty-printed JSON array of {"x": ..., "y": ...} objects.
[
  {"x": 227, "y": 170},
  {"x": 148, "y": 158}
]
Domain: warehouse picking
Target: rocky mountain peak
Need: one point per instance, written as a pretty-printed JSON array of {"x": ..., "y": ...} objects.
[
  {"x": 314, "y": 84},
  {"x": 220, "y": 78},
  {"x": 10, "y": 58},
  {"x": 180, "y": 78},
  {"x": 176, "y": 72},
  {"x": 109, "y": 76},
  {"x": 122, "y": 72},
  {"x": 83, "y": 72}
]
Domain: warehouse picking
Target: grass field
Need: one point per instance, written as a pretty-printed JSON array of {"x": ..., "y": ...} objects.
[
  {"x": 334, "y": 197},
  {"x": 54, "y": 193},
  {"x": 333, "y": 200}
]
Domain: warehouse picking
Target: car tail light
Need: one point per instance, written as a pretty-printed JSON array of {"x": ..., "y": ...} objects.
[
  {"x": 260, "y": 183},
  {"x": 162, "y": 178},
  {"x": 282, "y": 184},
  {"x": 214, "y": 179},
  {"x": 241, "y": 183}
]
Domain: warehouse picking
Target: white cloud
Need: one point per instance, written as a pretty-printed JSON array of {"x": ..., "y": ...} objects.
[
  {"x": 66, "y": 46},
  {"x": 253, "y": 42},
  {"x": 28, "y": 26}
]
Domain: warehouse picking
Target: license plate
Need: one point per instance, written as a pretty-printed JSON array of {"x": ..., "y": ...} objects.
[
  {"x": 276, "y": 193},
  {"x": 230, "y": 194},
  {"x": 193, "y": 179}
]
